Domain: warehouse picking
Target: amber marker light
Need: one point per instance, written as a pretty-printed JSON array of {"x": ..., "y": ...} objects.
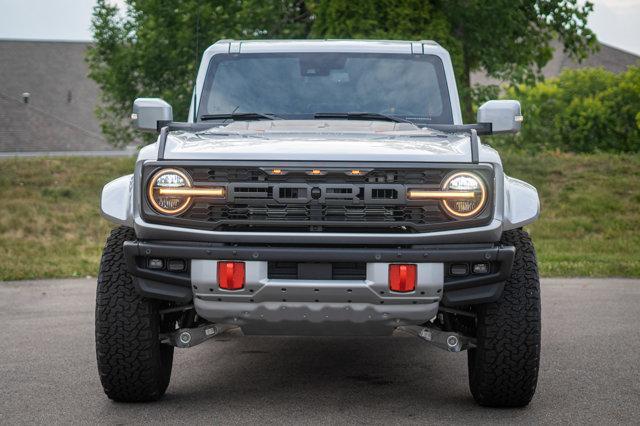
[
  {"x": 356, "y": 172},
  {"x": 315, "y": 172},
  {"x": 277, "y": 172}
]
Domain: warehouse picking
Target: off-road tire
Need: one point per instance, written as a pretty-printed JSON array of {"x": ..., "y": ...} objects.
[
  {"x": 503, "y": 368},
  {"x": 133, "y": 365}
]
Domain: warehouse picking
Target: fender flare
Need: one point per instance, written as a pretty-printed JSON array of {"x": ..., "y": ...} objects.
[
  {"x": 521, "y": 203},
  {"x": 116, "y": 202}
]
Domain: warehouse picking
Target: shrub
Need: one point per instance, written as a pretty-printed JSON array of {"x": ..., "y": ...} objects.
[{"x": 583, "y": 110}]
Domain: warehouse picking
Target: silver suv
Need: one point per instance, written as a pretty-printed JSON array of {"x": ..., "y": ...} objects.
[{"x": 320, "y": 188}]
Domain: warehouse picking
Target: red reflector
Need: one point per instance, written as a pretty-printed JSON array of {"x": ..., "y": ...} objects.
[
  {"x": 231, "y": 275},
  {"x": 402, "y": 278}
]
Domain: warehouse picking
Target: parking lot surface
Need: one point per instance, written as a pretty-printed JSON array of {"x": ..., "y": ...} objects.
[{"x": 590, "y": 371}]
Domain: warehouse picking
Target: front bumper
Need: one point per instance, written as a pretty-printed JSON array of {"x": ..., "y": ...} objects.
[{"x": 299, "y": 306}]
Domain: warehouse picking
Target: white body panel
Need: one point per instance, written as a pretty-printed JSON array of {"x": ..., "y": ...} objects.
[
  {"x": 116, "y": 203},
  {"x": 323, "y": 140},
  {"x": 521, "y": 203}
]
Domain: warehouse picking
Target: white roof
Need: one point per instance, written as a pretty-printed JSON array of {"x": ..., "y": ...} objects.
[{"x": 374, "y": 46}]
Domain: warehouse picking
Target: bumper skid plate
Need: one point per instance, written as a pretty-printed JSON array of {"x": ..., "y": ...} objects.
[{"x": 277, "y": 306}]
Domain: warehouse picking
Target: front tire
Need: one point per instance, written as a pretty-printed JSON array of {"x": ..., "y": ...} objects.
[
  {"x": 503, "y": 368},
  {"x": 133, "y": 365}
]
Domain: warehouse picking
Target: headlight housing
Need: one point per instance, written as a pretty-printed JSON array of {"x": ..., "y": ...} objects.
[
  {"x": 171, "y": 191},
  {"x": 470, "y": 184},
  {"x": 162, "y": 192}
]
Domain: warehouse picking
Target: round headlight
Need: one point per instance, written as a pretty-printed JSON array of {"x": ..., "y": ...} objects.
[
  {"x": 160, "y": 193},
  {"x": 467, "y": 182}
]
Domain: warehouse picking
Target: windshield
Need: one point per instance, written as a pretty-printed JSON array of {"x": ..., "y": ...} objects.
[{"x": 299, "y": 85}]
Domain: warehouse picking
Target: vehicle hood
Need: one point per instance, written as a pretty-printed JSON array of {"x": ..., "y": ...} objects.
[{"x": 322, "y": 140}]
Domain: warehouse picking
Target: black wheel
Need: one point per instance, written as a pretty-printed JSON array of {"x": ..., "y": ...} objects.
[
  {"x": 503, "y": 368},
  {"x": 133, "y": 365}
]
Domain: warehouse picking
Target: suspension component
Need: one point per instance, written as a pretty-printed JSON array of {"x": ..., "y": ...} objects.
[
  {"x": 189, "y": 337},
  {"x": 447, "y": 340}
]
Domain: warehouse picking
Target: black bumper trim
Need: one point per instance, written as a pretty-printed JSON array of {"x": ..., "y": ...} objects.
[
  {"x": 456, "y": 292},
  {"x": 163, "y": 291},
  {"x": 318, "y": 254},
  {"x": 480, "y": 293}
]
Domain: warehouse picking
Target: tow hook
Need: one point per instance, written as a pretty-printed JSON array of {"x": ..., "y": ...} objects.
[
  {"x": 188, "y": 337},
  {"x": 447, "y": 340}
]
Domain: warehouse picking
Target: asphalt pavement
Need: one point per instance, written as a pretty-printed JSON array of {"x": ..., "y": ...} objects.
[{"x": 590, "y": 368}]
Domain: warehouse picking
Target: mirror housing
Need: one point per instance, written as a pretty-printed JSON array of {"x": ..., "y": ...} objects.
[
  {"x": 504, "y": 116},
  {"x": 149, "y": 114}
]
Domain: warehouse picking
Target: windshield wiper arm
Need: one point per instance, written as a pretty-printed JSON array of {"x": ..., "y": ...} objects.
[
  {"x": 361, "y": 116},
  {"x": 239, "y": 116}
]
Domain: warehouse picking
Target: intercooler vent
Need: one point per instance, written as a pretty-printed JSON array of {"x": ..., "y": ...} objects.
[
  {"x": 344, "y": 193},
  {"x": 229, "y": 175},
  {"x": 292, "y": 193},
  {"x": 384, "y": 194},
  {"x": 252, "y": 192},
  {"x": 339, "y": 190},
  {"x": 354, "y": 271}
]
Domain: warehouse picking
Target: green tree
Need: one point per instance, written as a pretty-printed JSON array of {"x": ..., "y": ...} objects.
[
  {"x": 151, "y": 48},
  {"x": 509, "y": 39}
]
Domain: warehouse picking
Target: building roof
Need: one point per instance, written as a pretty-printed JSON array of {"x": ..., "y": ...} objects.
[
  {"x": 607, "y": 57},
  {"x": 60, "y": 113}
]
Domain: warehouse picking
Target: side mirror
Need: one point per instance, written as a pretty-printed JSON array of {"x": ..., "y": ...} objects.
[
  {"x": 148, "y": 113},
  {"x": 504, "y": 116}
]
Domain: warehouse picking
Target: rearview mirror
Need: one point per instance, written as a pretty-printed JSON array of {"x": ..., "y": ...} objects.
[
  {"x": 149, "y": 114},
  {"x": 504, "y": 116}
]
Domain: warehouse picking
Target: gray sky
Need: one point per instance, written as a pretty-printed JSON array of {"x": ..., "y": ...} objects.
[{"x": 616, "y": 22}]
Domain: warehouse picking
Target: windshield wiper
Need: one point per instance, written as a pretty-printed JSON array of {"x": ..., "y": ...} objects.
[
  {"x": 360, "y": 116},
  {"x": 239, "y": 116}
]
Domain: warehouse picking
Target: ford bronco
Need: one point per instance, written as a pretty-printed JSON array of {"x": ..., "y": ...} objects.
[{"x": 320, "y": 187}]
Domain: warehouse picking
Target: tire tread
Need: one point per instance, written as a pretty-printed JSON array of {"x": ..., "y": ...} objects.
[
  {"x": 503, "y": 368},
  {"x": 133, "y": 365}
]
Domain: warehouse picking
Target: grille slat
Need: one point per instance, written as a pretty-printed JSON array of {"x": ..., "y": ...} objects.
[{"x": 414, "y": 214}]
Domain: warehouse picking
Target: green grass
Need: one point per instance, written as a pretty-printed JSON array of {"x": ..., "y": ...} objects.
[
  {"x": 590, "y": 215},
  {"x": 50, "y": 224}
]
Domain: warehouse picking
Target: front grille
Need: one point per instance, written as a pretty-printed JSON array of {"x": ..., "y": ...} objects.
[{"x": 335, "y": 201}]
